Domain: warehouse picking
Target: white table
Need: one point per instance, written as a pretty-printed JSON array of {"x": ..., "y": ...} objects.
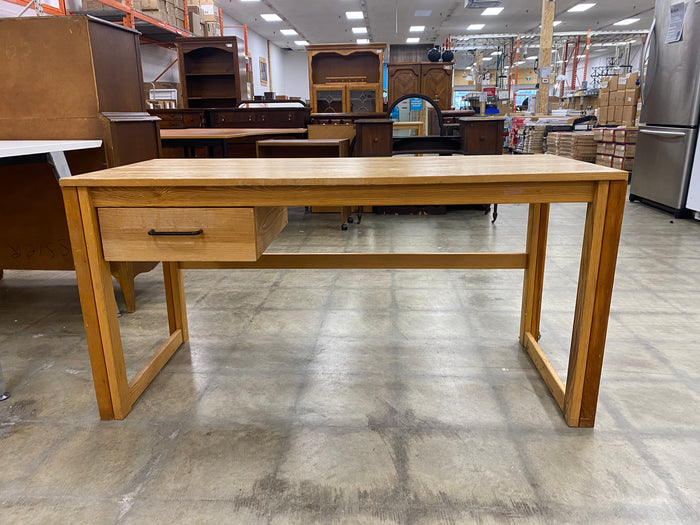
[
  {"x": 22, "y": 151},
  {"x": 53, "y": 150}
]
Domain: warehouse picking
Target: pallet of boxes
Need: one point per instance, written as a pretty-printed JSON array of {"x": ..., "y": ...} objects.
[
  {"x": 618, "y": 100},
  {"x": 208, "y": 16},
  {"x": 616, "y": 147}
]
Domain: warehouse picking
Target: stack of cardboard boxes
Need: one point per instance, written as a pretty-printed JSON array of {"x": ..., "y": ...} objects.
[
  {"x": 203, "y": 16},
  {"x": 616, "y": 147},
  {"x": 578, "y": 145},
  {"x": 618, "y": 100}
]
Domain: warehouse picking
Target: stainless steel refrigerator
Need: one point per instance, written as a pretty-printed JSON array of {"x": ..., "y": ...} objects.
[{"x": 670, "y": 108}]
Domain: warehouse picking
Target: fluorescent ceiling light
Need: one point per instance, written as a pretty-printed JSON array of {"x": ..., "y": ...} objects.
[
  {"x": 496, "y": 53},
  {"x": 520, "y": 63},
  {"x": 354, "y": 15},
  {"x": 556, "y": 23},
  {"x": 412, "y": 40},
  {"x": 301, "y": 42},
  {"x": 626, "y": 22},
  {"x": 363, "y": 40},
  {"x": 271, "y": 17},
  {"x": 288, "y": 32},
  {"x": 475, "y": 27},
  {"x": 422, "y": 13},
  {"x": 580, "y": 8},
  {"x": 359, "y": 30},
  {"x": 492, "y": 11},
  {"x": 416, "y": 29},
  {"x": 532, "y": 57},
  {"x": 580, "y": 56},
  {"x": 486, "y": 59}
]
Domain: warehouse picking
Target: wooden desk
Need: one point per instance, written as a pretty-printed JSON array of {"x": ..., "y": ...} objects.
[
  {"x": 233, "y": 142},
  {"x": 161, "y": 191}
]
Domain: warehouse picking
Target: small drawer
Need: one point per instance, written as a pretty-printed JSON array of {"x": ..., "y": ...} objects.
[{"x": 189, "y": 234}]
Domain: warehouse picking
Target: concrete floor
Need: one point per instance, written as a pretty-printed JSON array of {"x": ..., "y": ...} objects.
[{"x": 365, "y": 396}]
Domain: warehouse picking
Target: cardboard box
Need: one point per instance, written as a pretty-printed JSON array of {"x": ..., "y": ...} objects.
[
  {"x": 609, "y": 135},
  {"x": 604, "y": 99},
  {"x": 625, "y": 151},
  {"x": 604, "y": 85},
  {"x": 622, "y": 164},
  {"x": 145, "y": 5},
  {"x": 598, "y": 133},
  {"x": 631, "y": 96},
  {"x": 617, "y": 98},
  {"x": 628, "y": 81},
  {"x": 603, "y": 115},
  {"x": 195, "y": 21},
  {"x": 600, "y": 148},
  {"x": 619, "y": 114},
  {"x": 604, "y": 160},
  {"x": 629, "y": 114},
  {"x": 612, "y": 84},
  {"x": 609, "y": 148},
  {"x": 625, "y": 135}
]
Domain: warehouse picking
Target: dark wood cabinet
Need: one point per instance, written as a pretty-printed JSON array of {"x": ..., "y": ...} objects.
[
  {"x": 432, "y": 79},
  {"x": 180, "y": 118},
  {"x": 346, "y": 78},
  {"x": 212, "y": 71},
  {"x": 287, "y": 117},
  {"x": 481, "y": 136},
  {"x": 373, "y": 137}
]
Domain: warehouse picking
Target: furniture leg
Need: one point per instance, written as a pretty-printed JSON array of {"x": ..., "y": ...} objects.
[
  {"x": 175, "y": 298},
  {"x": 345, "y": 216},
  {"x": 102, "y": 328},
  {"x": 125, "y": 277},
  {"x": 596, "y": 275},
  {"x": 537, "y": 224},
  {"x": 495, "y": 213},
  {"x": 3, "y": 395}
]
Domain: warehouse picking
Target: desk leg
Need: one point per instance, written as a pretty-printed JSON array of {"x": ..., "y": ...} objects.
[
  {"x": 537, "y": 224},
  {"x": 597, "y": 271},
  {"x": 98, "y": 306},
  {"x": 175, "y": 298}
]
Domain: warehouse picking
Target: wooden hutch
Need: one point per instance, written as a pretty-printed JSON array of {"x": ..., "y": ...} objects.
[
  {"x": 212, "y": 72},
  {"x": 346, "y": 78},
  {"x": 432, "y": 79}
]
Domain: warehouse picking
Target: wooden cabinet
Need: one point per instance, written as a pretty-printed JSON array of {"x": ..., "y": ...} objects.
[
  {"x": 180, "y": 118},
  {"x": 286, "y": 117},
  {"x": 432, "y": 79},
  {"x": 212, "y": 71},
  {"x": 346, "y": 78},
  {"x": 373, "y": 137},
  {"x": 481, "y": 136}
]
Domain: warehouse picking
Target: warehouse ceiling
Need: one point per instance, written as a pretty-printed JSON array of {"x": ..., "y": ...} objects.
[{"x": 324, "y": 21}]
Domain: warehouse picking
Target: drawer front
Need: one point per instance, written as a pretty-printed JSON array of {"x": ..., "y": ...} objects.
[
  {"x": 232, "y": 119},
  {"x": 189, "y": 234}
]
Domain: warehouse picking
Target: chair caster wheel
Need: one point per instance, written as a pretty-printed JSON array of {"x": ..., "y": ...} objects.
[
  {"x": 350, "y": 219},
  {"x": 343, "y": 227}
]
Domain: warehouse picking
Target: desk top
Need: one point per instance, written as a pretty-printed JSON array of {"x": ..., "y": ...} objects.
[
  {"x": 348, "y": 171},
  {"x": 16, "y": 148},
  {"x": 225, "y": 133}
]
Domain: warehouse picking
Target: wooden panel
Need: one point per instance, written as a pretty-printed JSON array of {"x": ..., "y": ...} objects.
[
  {"x": 332, "y": 172},
  {"x": 331, "y": 131},
  {"x": 376, "y": 261},
  {"x": 436, "y": 83},
  {"x": 230, "y": 234},
  {"x": 404, "y": 79},
  {"x": 299, "y": 148},
  {"x": 345, "y": 195}
]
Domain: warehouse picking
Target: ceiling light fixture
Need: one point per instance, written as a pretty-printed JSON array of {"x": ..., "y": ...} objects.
[
  {"x": 354, "y": 15},
  {"x": 579, "y": 8},
  {"x": 416, "y": 29},
  {"x": 422, "y": 13},
  {"x": 301, "y": 42},
  {"x": 626, "y": 22},
  {"x": 492, "y": 11},
  {"x": 475, "y": 27},
  {"x": 359, "y": 30},
  {"x": 362, "y": 40},
  {"x": 271, "y": 17},
  {"x": 486, "y": 59},
  {"x": 412, "y": 40},
  {"x": 496, "y": 53},
  {"x": 288, "y": 32}
]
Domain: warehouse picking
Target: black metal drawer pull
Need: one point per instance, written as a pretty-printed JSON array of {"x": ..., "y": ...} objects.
[{"x": 154, "y": 232}]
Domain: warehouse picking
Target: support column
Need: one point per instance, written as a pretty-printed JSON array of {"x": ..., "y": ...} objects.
[{"x": 545, "y": 60}]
